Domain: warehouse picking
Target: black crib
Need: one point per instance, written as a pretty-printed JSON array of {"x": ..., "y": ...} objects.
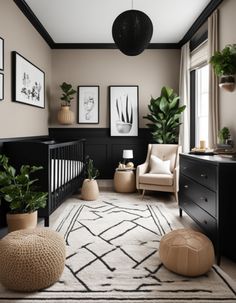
[{"x": 63, "y": 167}]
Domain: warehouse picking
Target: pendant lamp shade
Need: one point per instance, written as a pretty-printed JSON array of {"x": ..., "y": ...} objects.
[{"x": 132, "y": 31}]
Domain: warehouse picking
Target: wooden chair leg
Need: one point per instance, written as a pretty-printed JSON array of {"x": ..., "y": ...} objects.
[
  {"x": 176, "y": 197},
  {"x": 143, "y": 194}
]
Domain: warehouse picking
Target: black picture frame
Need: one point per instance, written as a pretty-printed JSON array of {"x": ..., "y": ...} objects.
[
  {"x": 28, "y": 82},
  {"x": 1, "y": 86},
  {"x": 124, "y": 110},
  {"x": 88, "y": 104},
  {"x": 1, "y": 54}
]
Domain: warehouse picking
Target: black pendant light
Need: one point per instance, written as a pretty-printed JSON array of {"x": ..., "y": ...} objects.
[{"x": 132, "y": 31}]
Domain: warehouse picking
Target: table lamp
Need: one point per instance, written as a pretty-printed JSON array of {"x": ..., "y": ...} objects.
[{"x": 127, "y": 155}]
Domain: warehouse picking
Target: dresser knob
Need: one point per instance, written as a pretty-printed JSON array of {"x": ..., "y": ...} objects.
[{"x": 203, "y": 175}]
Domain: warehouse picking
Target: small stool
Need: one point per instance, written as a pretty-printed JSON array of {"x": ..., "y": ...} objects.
[
  {"x": 124, "y": 181},
  {"x": 31, "y": 259},
  {"x": 186, "y": 252}
]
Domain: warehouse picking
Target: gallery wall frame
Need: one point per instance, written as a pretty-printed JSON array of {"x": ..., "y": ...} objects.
[
  {"x": 1, "y": 86},
  {"x": 88, "y": 104},
  {"x": 124, "y": 109},
  {"x": 1, "y": 53},
  {"x": 28, "y": 82}
]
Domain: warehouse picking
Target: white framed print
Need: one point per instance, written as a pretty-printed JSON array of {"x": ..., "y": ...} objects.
[
  {"x": 124, "y": 110},
  {"x": 88, "y": 104},
  {"x": 28, "y": 82},
  {"x": 1, "y": 87}
]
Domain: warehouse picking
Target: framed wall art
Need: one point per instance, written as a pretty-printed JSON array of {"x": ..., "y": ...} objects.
[
  {"x": 1, "y": 87},
  {"x": 1, "y": 54},
  {"x": 28, "y": 82},
  {"x": 88, "y": 104},
  {"x": 124, "y": 110}
]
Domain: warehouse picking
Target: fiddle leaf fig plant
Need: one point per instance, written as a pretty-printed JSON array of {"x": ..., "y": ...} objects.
[
  {"x": 18, "y": 189},
  {"x": 165, "y": 113},
  {"x": 68, "y": 92}
]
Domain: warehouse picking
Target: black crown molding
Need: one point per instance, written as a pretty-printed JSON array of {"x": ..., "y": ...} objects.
[{"x": 26, "y": 10}]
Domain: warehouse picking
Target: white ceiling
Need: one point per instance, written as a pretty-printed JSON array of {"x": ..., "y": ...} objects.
[{"x": 90, "y": 21}]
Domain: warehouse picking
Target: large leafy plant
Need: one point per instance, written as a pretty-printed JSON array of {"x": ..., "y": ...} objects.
[
  {"x": 18, "y": 189},
  {"x": 67, "y": 94},
  {"x": 224, "y": 62},
  {"x": 165, "y": 115}
]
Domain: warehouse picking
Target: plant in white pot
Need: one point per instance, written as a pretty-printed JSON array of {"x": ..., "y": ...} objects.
[
  {"x": 65, "y": 115},
  {"x": 19, "y": 191},
  {"x": 90, "y": 191}
]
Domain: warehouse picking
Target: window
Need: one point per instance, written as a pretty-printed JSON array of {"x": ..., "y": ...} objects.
[{"x": 201, "y": 104}]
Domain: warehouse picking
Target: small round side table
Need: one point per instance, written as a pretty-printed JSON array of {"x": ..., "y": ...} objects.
[{"x": 124, "y": 180}]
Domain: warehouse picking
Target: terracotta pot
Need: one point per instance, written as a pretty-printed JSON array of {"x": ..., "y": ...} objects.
[
  {"x": 90, "y": 191},
  {"x": 65, "y": 115},
  {"x": 22, "y": 221}
]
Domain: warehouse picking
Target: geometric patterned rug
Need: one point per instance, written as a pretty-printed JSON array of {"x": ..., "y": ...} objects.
[{"x": 112, "y": 256}]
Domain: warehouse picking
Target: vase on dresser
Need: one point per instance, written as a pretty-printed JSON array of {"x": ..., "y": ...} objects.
[{"x": 65, "y": 115}]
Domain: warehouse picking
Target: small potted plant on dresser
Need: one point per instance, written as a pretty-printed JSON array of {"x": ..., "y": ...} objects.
[
  {"x": 90, "y": 191},
  {"x": 224, "y": 64},
  {"x": 65, "y": 115},
  {"x": 19, "y": 191}
]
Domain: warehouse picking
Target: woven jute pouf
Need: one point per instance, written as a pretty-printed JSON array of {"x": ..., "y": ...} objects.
[
  {"x": 186, "y": 252},
  {"x": 31, "y": 259}
]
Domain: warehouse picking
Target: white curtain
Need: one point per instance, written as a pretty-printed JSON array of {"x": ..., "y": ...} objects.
[
  {"x": 184, "y": 92},
  {"x": 213, "y": 44}
]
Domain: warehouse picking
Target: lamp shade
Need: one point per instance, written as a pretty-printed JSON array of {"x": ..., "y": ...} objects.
[
  {"x": 127, "y": 154},
  {"x": 132, "y": 31}
]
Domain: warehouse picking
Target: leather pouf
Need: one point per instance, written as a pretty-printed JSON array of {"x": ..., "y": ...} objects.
[
  {"x": 31, "y": 259},
  {"x": 186, "y": 252}
]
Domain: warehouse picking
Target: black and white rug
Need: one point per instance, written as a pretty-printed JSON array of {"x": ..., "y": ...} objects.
[{"x": 112, "y": 256}]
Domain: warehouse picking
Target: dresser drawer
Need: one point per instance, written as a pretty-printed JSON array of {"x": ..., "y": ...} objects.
[
  {"x": 204, "y": 173},
  {"x": 207, "y": 222},
  {"x": 199, "y": 194}
]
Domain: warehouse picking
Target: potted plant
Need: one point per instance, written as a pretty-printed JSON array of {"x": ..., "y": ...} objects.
[
  {"x": 65, "y": 115},
  {"x": 224, "y": 135},
  {"x": 90, "y": 191},
  {"x": 19, "y": 191},
  {"x": 224, "y": 64},
  {"x": 164, "y": 115}
]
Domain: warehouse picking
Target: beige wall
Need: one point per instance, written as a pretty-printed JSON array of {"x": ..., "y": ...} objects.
[
  {"x": 227, "y": 35},
  {"x": 150, "y": 71},
  {"x": 18, "y": 120}
]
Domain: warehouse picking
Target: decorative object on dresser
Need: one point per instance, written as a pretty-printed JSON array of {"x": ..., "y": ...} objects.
[
  {"x": 1, "y": 54},
  {"x": 224, "y": 64},
  {"x": 19, "y": 191},
  {"x": 65, "y": 115},
  {"x": 168, "y": 181},
  {"x": 124, "y": 110},
  {"x": 90, "y": 190},
  {"x": 63, "y": 164},
  {"x": 88, "y": 104},
  {"x": 164, "y": 115},
  {"x": 31, "y": 259},
  {"x": 207, "y": 195},
  {"x": 1, "y": 86},
  {"x": 28, "y": 82}
]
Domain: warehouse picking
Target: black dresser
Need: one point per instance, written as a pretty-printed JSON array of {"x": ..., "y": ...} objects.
[{"x": 208, "y": 195}]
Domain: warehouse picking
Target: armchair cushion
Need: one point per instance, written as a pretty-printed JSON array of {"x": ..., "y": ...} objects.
[
  {"x": 154, "y": 179},
  {"x": 159, "y": 166}
]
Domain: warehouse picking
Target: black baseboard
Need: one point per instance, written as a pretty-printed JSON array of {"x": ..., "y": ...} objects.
[{"x": 106, "y": 151}]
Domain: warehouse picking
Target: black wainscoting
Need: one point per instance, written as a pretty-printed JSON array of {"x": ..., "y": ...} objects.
[{"x": 106, "y": 151}]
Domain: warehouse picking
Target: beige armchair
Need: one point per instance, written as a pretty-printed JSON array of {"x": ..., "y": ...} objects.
[{"x": 160, "y": 182}]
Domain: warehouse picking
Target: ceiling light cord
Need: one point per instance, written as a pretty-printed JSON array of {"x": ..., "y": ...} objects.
[{"x": 132, "y": 4}]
